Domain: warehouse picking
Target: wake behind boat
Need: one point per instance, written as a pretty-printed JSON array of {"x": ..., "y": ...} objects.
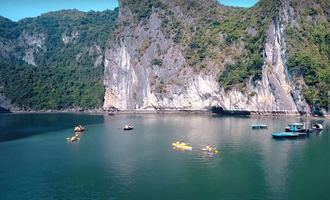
[{"x": 74, "y": 138}]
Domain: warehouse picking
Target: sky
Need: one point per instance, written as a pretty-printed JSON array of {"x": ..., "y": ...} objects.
[
  {"x": 18, "y": 9},
  {"x": 240, "y": 3}
]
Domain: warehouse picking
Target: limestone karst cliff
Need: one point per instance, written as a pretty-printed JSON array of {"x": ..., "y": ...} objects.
[
  {"x": 149, "y": 66},
  {"x": 173, "y": 54}
]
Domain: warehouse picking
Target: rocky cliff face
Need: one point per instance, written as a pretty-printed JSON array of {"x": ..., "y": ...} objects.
[
  {"x": 170, "y": 54},
  {"x": 135, "y": 80},
  {"x": 146, "y": 70},
  {"x": 275, "y": 91}
]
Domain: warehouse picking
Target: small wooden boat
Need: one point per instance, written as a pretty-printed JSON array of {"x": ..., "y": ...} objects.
[
  {"x": 127, "y": 128},
  {"x": 285, "y": 134},
  {"x": 290, "y": 134},
  {"x": 258, "y": 126},
  {"x": 317, "y": 127},
  {"x": 79, "y": 128}
]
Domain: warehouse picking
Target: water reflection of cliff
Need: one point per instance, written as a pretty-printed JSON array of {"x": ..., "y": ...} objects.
[{"x": 280, "y": 158}]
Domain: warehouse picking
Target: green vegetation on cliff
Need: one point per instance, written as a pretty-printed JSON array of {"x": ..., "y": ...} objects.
[
  {"x": 51, "y": 88},
  {"x": 69, "y": 63},
  {"x": 309, "y": 50},
  {"x": 213, "y": 36},
  {"x": 232, "y": 40}
]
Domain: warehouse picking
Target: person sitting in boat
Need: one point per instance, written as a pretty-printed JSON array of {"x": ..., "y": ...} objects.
[
  {"x": 208, "y": 147},
  {"x": 79, "y": 128}
]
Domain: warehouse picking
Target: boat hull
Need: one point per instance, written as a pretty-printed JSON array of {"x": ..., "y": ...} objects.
[
  {"x": 285, "y": 135},
  {"x": 289, "y": 134},
  {"x": 297, "y": 131},
  {"x": 259, "y": 127},
  {"x": 79, "y": 130}
]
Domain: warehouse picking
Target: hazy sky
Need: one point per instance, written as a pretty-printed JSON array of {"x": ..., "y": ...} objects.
[{"x": 18, "y": 9}]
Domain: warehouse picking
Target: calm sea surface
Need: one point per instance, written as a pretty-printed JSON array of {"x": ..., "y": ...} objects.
[{"x": 36, "y": 162}]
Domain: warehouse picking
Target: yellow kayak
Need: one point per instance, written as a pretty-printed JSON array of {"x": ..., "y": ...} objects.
[{"x": 182, "y": 145}]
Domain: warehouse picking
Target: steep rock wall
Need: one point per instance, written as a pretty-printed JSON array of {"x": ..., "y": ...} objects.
[
  {"x": 133, "y": 81},
  {"x": 274, "y": 92}
]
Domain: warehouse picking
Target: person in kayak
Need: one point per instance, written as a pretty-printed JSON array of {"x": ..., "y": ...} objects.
[{"x": 209, "y": 147}]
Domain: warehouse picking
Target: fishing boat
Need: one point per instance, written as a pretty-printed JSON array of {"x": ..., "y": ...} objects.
[
  {"x": 317, "y": 127},
  {"x": 182, "y": 145},
  {"x": 258, "y": 126},
  {"x": 296, "y": 127},
  {"x": 127, "y": 128},
  {"x": 290, "y": 134}
]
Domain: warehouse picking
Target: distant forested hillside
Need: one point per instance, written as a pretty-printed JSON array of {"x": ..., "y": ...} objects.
[{"x": 55, "y": 61}]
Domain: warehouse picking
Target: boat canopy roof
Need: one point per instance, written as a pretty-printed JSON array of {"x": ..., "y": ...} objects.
[
  {"x": 296, "y": 124},
  {"x": 317, "y": 126}
]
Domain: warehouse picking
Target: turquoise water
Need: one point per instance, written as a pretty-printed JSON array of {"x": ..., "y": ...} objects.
[{"x": 36, "y": 162}]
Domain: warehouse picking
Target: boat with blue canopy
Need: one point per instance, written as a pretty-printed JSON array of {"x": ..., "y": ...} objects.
[{"x": 296, "y": 127}]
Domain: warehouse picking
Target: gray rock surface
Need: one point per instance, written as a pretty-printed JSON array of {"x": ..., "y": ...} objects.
[{"x": 133, "y": 82}]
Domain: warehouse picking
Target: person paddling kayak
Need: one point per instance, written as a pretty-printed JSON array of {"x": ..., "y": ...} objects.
[{"x": 210, "y": 149}]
